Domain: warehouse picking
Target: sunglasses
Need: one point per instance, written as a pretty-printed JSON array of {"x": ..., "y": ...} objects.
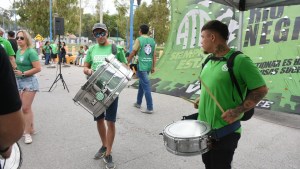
[
  {"x": 99, "y": 34},
  {"x": 20, "y": 37}
]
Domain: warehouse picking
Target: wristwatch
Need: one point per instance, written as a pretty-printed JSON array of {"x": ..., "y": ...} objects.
[{"x": 23, "y": 74}]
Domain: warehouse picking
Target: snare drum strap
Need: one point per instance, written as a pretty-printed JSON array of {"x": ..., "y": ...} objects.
[{"x": 224, "y": 131}]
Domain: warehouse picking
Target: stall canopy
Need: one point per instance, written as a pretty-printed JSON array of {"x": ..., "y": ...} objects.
[{"x": 244, "y": 5}]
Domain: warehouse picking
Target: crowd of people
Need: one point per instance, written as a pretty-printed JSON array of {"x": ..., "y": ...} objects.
[{"x": 24, "y": 64}]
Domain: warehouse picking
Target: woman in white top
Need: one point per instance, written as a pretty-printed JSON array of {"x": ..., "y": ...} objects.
[{"x": 85, "y": 48}]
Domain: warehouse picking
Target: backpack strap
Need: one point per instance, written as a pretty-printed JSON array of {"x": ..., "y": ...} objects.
[
  {"x": 207, "y": 60},
  {"x": 230, "y": 63},
  {"x": 114, "y": 49}
]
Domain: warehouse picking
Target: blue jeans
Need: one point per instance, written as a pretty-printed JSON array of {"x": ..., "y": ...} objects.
[
  {"x": 47, "y": 58},
  {"x": 144, "y": 88}
]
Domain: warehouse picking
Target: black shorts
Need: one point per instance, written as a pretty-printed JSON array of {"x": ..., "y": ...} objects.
[
  {"x": 54, "y": 55},
  {"x": 111, "y": 113}
]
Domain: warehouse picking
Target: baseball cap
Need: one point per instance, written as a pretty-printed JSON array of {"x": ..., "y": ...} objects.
[{"x": 99, "y": 26}]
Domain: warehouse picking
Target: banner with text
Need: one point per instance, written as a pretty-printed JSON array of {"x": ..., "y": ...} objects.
[{"x": 270, "y": 38}]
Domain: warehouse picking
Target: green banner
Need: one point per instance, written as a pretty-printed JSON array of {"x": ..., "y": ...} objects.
[{"x": 270, "y": 38}]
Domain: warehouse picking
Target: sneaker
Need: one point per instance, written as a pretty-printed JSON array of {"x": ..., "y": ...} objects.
[
  {"x": 136, "y": 105},
  {"x": 101, "y": 153},
  {"x": 32, "y": 133},
  {"x": 27, "y": 139},
  {"x": 109, "y": 162},
  {"x": 147, "y": 111}
]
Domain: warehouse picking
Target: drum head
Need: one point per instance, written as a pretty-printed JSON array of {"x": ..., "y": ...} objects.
[
  {"x": 187, "y": 129},
  {"x": 15, "y": 159}
]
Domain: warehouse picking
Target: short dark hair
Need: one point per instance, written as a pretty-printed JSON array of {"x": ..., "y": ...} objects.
[
  {"x": 11, "y": 34},
  {"x": 144, "y": 29},
  {"x": 218, "y": 27}
]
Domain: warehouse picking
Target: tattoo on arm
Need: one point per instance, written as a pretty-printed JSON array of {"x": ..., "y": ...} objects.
[{"x": 251, "y": 100}]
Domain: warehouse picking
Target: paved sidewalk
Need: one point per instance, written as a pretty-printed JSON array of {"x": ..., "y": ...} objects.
[{"x": 68, "y": 139}]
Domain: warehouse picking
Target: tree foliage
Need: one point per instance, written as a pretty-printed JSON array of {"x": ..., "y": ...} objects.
[
  {"x": 88, "y": 20},
  {"x": 142, "y": 15},
  {"x": 35, "y": 15},
  {"x": 156, "y": 15},
  {"x": 159, "y": 21}
]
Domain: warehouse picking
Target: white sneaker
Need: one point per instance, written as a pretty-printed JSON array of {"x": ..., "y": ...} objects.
[
  {"x": 137, "y": 105},
  {"x": 27, "y": 139},
  {"x": 147, "y": 111}
]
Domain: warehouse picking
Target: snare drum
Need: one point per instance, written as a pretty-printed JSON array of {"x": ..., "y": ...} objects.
[
  {"x": 187, "y": 137},
  {"x": 15, "y": 159},
  {"x": 104, "y": 86}
]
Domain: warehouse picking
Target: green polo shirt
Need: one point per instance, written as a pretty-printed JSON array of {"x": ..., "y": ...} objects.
[
  {"x": 7, "y": 47},
  {"x": 97, "y": 53},
  {"x": 216, "y": 76}
]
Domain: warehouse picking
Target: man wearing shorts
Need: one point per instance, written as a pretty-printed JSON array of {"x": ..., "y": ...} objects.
[{"x": 94, "y": 58}]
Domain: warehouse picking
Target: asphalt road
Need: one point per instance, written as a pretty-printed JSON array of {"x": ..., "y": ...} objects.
[{"x": 67, "y": 137}]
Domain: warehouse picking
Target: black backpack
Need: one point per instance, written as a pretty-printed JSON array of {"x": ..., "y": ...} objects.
[{"x": 230, "y": 62}]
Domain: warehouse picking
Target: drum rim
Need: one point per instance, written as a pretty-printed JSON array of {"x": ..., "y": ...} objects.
[{"x": 191, "y": 137}]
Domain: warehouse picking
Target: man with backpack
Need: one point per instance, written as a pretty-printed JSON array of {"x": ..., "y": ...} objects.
[
  {"x": 229, "y": 105},
  {"x": 106, "y": 121}
]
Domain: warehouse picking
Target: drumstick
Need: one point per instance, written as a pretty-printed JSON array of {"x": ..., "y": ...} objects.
[
  {"x": 213, "y": 97},
  {"x": 186, "y": 99}
]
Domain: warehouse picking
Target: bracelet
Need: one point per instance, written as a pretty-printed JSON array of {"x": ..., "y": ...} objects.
[{"x": 4, "y": 150}]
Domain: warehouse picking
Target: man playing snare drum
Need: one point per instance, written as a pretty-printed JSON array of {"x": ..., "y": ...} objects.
[
  {"x": 11, "y": 116},
  {"x": 215, "y": 80},
  {"x": 94, "y": 58}
]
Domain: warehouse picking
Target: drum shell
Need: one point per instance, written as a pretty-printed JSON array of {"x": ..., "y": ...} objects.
[
  {"x": 15, "y": 160},
  {"x": 187, "y": 146},
  {"x": 109, "y": 80}
]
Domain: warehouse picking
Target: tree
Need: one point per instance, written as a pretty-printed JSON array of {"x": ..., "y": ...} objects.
[
  {"x": 122, "y": 19},
  {"x": 5, "y": 18},
  {"x": 160, "y": 22},
  {"x": 34, "y": 15},
  {"x": 156, "y": 15},
  {"x": 142, "y": 15},
  {"x": 88, "y": 20}
]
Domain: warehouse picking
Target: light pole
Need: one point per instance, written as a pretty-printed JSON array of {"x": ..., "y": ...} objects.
[
  {"x": 131, "y": 26},
  {"x": 80, "y": 23},
  {"x": 131, "y": 23},
  {"x": 50, "y": 20}
]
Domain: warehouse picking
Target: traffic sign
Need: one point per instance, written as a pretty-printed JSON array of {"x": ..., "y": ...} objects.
[{"x": 39, "y": 37}]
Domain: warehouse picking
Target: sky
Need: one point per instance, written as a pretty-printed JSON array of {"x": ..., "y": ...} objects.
[
  {"x": 88, "y": 5},
  {"x": 107, "y": 5}
]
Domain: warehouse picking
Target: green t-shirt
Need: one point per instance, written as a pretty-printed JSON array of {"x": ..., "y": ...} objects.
[
  {"x": 97, "y": 53},
  {"x": 216, "y": 77},
  {"x": 81, "y": 52},
  {"x": 47, "y": 49},
  {"x": 7, "y": 46},
  {"x": 145, "y": 53},
  {"x": 54, "y": 48},
  {"x": 24, "y": 61}
]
